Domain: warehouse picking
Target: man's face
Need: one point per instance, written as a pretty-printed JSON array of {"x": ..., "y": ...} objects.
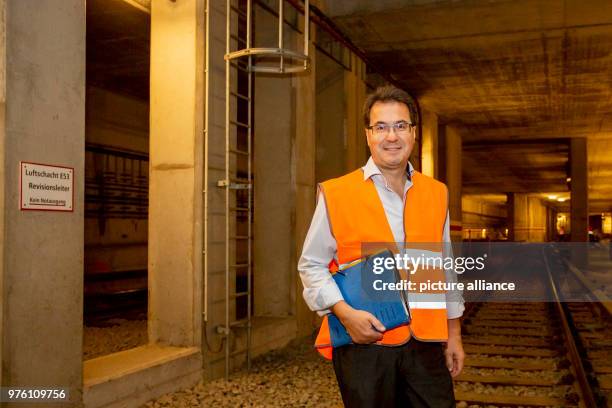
[{"x": 391, "y": 149}]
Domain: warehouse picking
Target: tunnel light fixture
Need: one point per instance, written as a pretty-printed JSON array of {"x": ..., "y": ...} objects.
[
  {"x": 568, "y": 179},
  {"x": 561, "y": 199},
  {"x": 552, "y": 197}
]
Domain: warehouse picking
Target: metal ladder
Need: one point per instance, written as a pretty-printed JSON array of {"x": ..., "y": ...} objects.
[{"x": 240, "y": 63}]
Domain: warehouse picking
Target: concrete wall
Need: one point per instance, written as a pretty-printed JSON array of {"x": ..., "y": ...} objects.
[
  {"x": 341, "y": 144},
  {"x": 275, "y": 125},
  {"x": 274, "y": 199},
  {"x": 215, "y": 259},
  {"x": 354, "y": 97},
  {"x": 42, "y": 280},
  {"x": 479, "y": 214},
  {"x": 331, "y": 125},
  {"x": 117, "y": 120}
]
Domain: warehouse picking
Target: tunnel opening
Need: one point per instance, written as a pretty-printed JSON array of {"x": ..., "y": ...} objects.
[{"x": 116, "y": 176}]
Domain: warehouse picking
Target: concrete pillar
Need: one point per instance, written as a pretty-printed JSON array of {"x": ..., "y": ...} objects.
[
  {"x": 510, "y": 211},
  {"x": 305, "y": 188},
  {"x": 175, "y": 190},
  {"x": 354, "y": 97},
  {"x": 42, "y": 92},
  {"x": 429, "y": 146},
  {"x": 453, "y": 179},
  {"x": 551, "y": 224},
  {"x": 527, "y": 218},
  {"x": 3, "y": 175},
  {"x": 579, "y": 190},
  {"x": 517, "y": 217}
]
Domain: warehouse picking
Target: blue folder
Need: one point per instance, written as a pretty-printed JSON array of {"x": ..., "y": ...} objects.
[{"x": 356, "y": 283}]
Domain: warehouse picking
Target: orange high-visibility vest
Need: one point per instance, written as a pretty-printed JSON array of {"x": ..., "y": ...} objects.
[{"x": 357, "y": 217}]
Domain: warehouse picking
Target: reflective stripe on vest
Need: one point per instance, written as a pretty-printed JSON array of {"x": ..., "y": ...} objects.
[{"x": 359, "y": 224}]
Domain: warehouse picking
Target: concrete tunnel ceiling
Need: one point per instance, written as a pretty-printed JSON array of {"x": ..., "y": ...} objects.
[
  {"x": 118, "y": 38},
  {"x": 506, "y": 71}
]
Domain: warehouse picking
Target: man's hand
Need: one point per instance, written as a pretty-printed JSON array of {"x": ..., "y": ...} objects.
[
  {"x": 454, "y": 348},
  {"x": 362, "y": 326}
]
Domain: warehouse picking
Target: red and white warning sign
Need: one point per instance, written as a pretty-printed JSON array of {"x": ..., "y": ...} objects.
[{"x": 46, "y": 187}]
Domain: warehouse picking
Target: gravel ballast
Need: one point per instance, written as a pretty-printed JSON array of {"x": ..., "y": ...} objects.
[
  {"x": 296, "y": 376},
  {"x": 118, "y": 335}
]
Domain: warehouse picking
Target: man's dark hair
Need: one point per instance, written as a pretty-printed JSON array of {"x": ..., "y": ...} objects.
[{"x": 387, "y": 93}]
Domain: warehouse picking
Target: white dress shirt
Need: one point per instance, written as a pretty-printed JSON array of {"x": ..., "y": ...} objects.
[{"x": 320, "y": 289}]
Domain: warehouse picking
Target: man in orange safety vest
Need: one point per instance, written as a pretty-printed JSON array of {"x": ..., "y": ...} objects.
[{"x": 385, "y": 201}]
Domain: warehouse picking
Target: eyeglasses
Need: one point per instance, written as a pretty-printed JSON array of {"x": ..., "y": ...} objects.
[{"x": 400, "y": 127}]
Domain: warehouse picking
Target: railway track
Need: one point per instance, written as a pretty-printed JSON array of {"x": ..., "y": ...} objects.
[
  {"x": 546, "y": 354},
  {"x": 594, "y": 339}
]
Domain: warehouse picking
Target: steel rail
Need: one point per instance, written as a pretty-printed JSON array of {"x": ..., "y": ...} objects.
[{"x": 587, "y": 393}]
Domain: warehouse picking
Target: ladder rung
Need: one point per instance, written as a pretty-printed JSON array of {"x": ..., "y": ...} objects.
[
  {"x": 240, "y": 180},
  {"x": 238, "y": 39},
  {"x": 240, "y": 124},
  {"x": 239, "y": 322},
  {"x": 239, "y": 237},
  {"x": 232, "y": 185},
  {"x": 237, "y": 151},
  {"x": 238, "y": 11},
  {"x": 239, "y": 209},
  {"x": 240, "y": 265},
  {"x": 239, "y": 95},
  {"x": 216, "y": 167},
  {"x": 242, "y": 68},
  {"x": 238, "y": 352},
  {"x": 232, "y": 296}
]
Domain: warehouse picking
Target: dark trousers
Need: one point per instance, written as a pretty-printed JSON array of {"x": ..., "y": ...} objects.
[{"x": 411, "y": 375}]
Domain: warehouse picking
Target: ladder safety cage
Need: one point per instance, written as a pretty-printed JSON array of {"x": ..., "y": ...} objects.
[
  {"x": 280, "y": 51},
  {"x": 240, "y": 149}
]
